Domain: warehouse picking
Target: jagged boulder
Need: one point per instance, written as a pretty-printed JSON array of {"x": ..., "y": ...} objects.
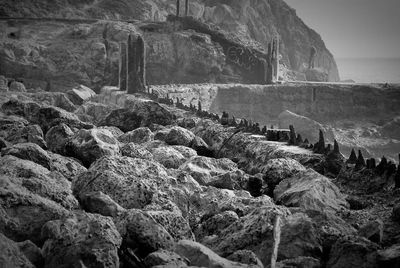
[
  {"x": 131, "y": 182},
  {"x": 38, "y": 180},
  {"x": 51, "y": 116},
  {"x": 310, "y": 190},
  {"x": 353, "y": 251},
  {"x": 3, "y": 84},
  {"x": 254, "y": 232},
  {"x": 246, "y": 257},
  {"x": 23, "y": 213},
  {"x": 84, "y": 239},
  {"x": 29, "y": 151},
  {"x": 79, "y": 95},
  {"x": 57, "y": 137},
  {"x": 29, "y": 133},
  {"x": 136, "y": 151},
  {"x": 201, "y": 256},
  {"x": 26, "y": 109},
  {"x": 100, "y": 203},
  {"x": 179, "y": 136},
  {"x": 168, "y": 157},
  {"x": 142, "y": 233},
  {"x": 90, "y": 145},
  {"x": 165, "y": 257},
  {"x": 31, "y": 252},
  {"x": 142, "y": 115},
  {"x": 233, "y": 180},
  {"x": 57, "y": 99},
  {"x": 11, "y": 255},
  {"x": 11, "y": 126},
  {"x": 300, "y": 262},
  {"x": 17, "y": 87},
  {"x": 372, "y": 230},
  {"x": 215, "y": 224},
  {"x": 278, "y": 169},
  {"x": 185, "y": 151},
  {"x": 139, "y": 135},
  {"x": 93, "y": 112},
  {"x": 177, "y": 226},
  {"x": 389, "y": 257},
  {"x": 204, "y": 168}
]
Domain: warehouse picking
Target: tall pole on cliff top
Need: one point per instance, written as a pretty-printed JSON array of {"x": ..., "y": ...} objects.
[
  {"x": 277, "y": 59},
  {"x": 186, "y": 8},
  {"x": 177, "y": 7}
]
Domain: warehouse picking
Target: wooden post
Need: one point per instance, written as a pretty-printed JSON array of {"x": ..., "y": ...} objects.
[
  {"x": 277, "y": 240},
  {"x": 141, "y": 64},
  {"x": 123, "y": 66}
]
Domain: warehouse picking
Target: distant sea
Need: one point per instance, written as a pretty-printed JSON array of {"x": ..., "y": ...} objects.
[{"x": 378, "y": 70}]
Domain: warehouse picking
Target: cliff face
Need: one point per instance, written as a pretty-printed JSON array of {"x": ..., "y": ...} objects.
[{"x": 249, "y": 20}]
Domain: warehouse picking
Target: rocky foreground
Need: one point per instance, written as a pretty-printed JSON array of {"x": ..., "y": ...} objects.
[{"x": 117, "y": 180}]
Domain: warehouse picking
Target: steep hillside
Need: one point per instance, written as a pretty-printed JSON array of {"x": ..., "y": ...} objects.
[{"x": 250, "y": 20}]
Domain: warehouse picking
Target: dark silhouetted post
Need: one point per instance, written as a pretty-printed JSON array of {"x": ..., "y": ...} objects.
[{"x": 177, "y": 7}]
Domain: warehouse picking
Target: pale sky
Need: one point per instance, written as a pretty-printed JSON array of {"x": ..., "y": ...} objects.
[{"x": 354, "y": 28}]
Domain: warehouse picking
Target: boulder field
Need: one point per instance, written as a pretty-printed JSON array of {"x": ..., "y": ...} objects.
[{"x": 143, "y": 184}]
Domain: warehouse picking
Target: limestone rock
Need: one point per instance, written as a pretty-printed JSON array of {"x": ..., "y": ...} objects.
[
  {"x": 93, "y": 112},
  {"x": 136, "y": 151},
  {"x": 80, "y": 94},
  {"x": 168, "y": 157},
  {"x": 67, "y": 166},
  {"x": 142, "y": 233},
  {"x": 57, "y": 99},
  {"x": 165, "y": 257},
  {"x": 100, "y": 203},
  {"x": 17, "y": 87},
  {"x": 233, "y": 180},
  {"x": 138, "y": 114},
  {"x": 185, "y": 151},
  {"x": 204, "y": 168},
  {"x": 310, "y": 190},
  {"x": 179, "y": 136},
  {"x": 26, "y": 109},
  {"x": 51, "y": 116},
  {"x": 29, "y": 151},
  {"x": 84, "y": 239},
  {"x": 175, "y": 224},
  {"x": 353, "y": 252},
  {"x": 139, "y": 135},
  {"x": 389, "y": 257},
  {"x": 202, "y": 256},
  {"x": 124, "y": 119},
  {"x": 372, "y": 230},
  {"x": 22, "y": 213},
  {"x": 131, "y": 182},
  {"x": 29, "y": 133},
  {"x": 215, "y": 224},
  {"x": 3, "y": 84},
  {"x": 57, "y": 137},
  {"x": 38, "y": 180},
  {"x": 300, "y": 262},
  {"x": 114, "y": 130},
  {"x": 90, "y": 145},
  {"x": 276, "y": 170},
  {"x": 249, "y": 232},
  {"x": 201, "y": 147},
  {"x": 11, "y": 255},
  {"x": 246, "y": 257},
  {"x": 31, "y": 252}
]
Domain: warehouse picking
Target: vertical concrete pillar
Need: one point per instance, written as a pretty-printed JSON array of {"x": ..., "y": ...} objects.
[
  {"x": 123, "y": 66},
  {"x": 132, "y": 66}
]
